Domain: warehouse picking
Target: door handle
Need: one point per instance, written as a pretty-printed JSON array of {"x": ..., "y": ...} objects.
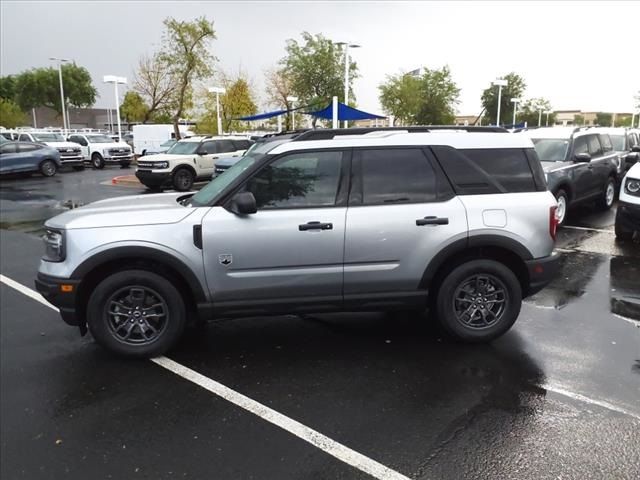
[
  {"x": 432, "y": 221},
  {"x": 215, "y": 158},
  {"x": 315, "y": 226}
]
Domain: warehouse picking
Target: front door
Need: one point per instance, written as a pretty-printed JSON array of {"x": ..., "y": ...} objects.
[
  {"x": 291, "y": 249},
  {"x": 207, "y": 162},
  {"x": 582, "y": 172}
]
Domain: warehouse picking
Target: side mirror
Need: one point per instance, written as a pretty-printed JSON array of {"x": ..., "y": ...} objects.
[
  {"x": 243, "y": 203},
  {"x": 582, "y": 158},
  {"x": 201, "y": 151},
  {"x": 635, "y": 148}
]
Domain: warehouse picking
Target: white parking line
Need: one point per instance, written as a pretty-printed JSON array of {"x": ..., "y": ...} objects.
[
  {"x": 315, "y": 438},
  {"x": 601, "y": 403}
]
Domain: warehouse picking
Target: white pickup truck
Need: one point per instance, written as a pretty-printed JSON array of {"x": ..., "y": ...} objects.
[
  {"x": 100, "y": 149},
  {"x": 70, "y": 153}
]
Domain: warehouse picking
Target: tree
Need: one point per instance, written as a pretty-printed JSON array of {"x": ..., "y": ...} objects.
[
  {"x": 578, "y": 120},
  {"x": 603, "y": 119},
  {"x": 237, "y": 101},
  {"x": 186, "y": 55},
  {"x": 622, "y": 121},
  {"x": 438, "y": 97},
  {"x": 530, "y": 110},
  {"x": 279, "y": 89},
  {"x": 41, "y": 87},
  {"x": 400, "y": 97},
  {"x": 133, "y": 108},
  {"x": 11, "y": 115},
  {"x": 515, "y": 89},
  {"x": 7, "y": 87},
  {"x": 315, "y": 68},
  {"x": 155, "y": 83}
]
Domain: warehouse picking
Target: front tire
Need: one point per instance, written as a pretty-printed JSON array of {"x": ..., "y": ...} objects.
[
  {"x": 48, "y": 168},
  {"x": 478, "y": 301},
  {"x": 136, "y": 313},
  {"x": 97, "y": 161},
  {"x": 183, "y": 180},
  {"x": 563, "y": 206},
  {"x": 605, "y": 202}
]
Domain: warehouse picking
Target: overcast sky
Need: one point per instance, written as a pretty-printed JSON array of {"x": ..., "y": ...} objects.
[{"x": 579, "y": 55}]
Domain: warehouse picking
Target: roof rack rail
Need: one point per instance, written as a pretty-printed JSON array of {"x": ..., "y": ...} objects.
[{"x": 330, "y": 133}]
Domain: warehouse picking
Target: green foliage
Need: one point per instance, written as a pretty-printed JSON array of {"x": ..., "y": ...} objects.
[
  {"x": 622, "y": 121},
  {"x": 315, "y": 68},
  {"x": 578, "y": 120},
  {"x": 603, "y": 119},
  {"x": 40, "y": 87},
  {"x": 515, "y": 89},
  {"x": 530, "y": 109},
  {"x": 161, "y": 116},
  {"x": 133, "y": 108},
  {"x": 11, "y": 115},
  {"x": 237, "y": 101},
  {"x": 186, "y": 55},
  {"x": 426, "y": 100}
]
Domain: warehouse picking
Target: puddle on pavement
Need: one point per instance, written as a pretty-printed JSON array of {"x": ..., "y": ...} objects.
[{"x": 625, "y": 286}]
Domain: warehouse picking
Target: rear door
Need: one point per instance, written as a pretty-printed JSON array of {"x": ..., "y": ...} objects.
[
  {"x": 401, "y": 213},
  {"x": 206, "y": 163},
  {"x": 601, "y": 164}
]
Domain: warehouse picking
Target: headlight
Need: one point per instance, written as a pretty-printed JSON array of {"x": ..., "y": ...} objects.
[
  {"x": 160, "y": 164},
  {"x": 105, "y": 152},
  {"x": 53, "y": 246},
  {"x": 632, "y": 187}
]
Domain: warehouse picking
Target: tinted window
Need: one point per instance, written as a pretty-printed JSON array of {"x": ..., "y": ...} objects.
[
  {"x": 594, "y": 146},
  {"x": 8, "y": 148},
  {"x": 307, "y": 179},
  {"x": 27, "y": 147},
  {"x": 508, "y": 166},
  {"x": 580, "y": 145},
  {"x": 606, "y": 143},
  {"x": 618, "y": 142},
  {"x": 392, "y": 176},
  {"x": 551, "y": 149},
  {"x": 226, "y": 146},
  {"x": 24, "y": 138},
  {"x": 210, "y": 147},
  {"x": 242, "y": 144},
  {"x": 631, "y": 140}
]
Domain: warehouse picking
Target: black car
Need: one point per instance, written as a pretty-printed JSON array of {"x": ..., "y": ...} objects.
[{"x": 580, "y": 165}]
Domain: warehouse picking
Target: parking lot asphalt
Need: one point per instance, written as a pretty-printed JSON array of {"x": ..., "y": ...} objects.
[{"x": 556, "y": 397}]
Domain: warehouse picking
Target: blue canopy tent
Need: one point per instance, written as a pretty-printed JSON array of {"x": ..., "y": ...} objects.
[
  {"x": 263, "y": 116},
  {"x": 345, "y": 112}
]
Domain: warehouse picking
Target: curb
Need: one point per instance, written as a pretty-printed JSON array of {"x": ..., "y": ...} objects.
[{"x": 126, "y": 180}]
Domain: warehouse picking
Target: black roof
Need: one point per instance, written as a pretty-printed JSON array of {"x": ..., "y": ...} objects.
[{"x": 329, "y": 133}]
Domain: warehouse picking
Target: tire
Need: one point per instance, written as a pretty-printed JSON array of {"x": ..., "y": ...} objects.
[
  {"x": 183, "y": 179},
  {"x": 131, "y": 333},
  {"x": 125, "y": 164},
  {"x": 97, "y": 161},
  {"x": 459, "y": 288},
  {"x": 48, "y": 168},
  {"x": 78, "y": 168},
  {"x": 563, "y": 199},
  {"x": 605, "y": 202}
]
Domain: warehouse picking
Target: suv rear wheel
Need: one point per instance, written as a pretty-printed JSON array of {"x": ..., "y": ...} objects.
[
  {"x": 605, "y": 202},
  {"x": 48, "y": 168},
  {"x": 563, "y": 205},
  {"x": 183, "y": 179},
  {"x": 478, "y": 301},
  {"x": 136, "y": 313}
]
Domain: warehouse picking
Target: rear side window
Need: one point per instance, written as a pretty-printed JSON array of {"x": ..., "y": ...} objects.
[
  {"x": 24, "y": 138},
  {"x": 27, "y": 147},
  {"x": 210, "y": 147},
  {"x": 241, "y": 144},
  {"x": 606, "y": 143},
  {"x": 392, "y": 176},
  {"x": 9, "y": 148},
  {"x": 226, "y": 146}
]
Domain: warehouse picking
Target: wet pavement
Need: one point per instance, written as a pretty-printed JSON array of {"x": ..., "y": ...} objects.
[{"x": 557, "y": 397}]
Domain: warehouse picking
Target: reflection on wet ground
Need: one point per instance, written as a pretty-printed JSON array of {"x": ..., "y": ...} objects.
[{"x": 625, "y": 286}]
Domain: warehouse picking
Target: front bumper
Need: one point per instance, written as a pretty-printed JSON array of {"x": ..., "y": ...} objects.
[
  {"x": 541, "y": 272},
  {"x": 628, "y": 217},
  {"x": 51, "y": 288},
  {"x": 128, "y": 159},
  {"x": 153, "y": 179},
  {"x": 73, "y": 161}
]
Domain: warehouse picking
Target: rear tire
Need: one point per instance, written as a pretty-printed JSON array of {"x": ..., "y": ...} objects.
[
  {"x": 183, "y": 180},
  {"x": 48, "y": 168},
  {"x": 563, "y": 206},
  {"x": 478, "y": 301},
  {"x": 97, "y": 161},
  {"x": 136, "y": 313},
  {"x": 605, "y": 202}
]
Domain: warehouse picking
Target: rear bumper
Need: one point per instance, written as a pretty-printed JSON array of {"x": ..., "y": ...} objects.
[
  {"x": 153, "y": 179},
  {"x": 51, "y": 289},
  {"x": 542, "y": 271}
]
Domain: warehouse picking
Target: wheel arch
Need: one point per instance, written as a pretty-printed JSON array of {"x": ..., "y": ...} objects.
[{"x": 185, "y": 166}]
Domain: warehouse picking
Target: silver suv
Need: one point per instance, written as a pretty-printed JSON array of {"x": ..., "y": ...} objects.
[{"x": 460, "y": 223}]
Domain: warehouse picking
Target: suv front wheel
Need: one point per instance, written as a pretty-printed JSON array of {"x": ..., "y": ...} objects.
[
  {"x": 478, "y": 301},
  {"x": 136, "y": 313},
  {"x": 183, "y": 179}
]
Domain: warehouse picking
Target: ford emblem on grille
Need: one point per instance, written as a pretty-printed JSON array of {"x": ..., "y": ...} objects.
[{"x": 69, "y": 149}]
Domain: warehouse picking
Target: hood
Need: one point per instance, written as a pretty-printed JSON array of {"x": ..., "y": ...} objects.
[
  {"x": 165, "y": 157},
  {"x": 151, "y": 209},
  {"x": 62, "y": 145},
  {"x": 111, "y": 145},
  {"x": 553, "y": 166}
]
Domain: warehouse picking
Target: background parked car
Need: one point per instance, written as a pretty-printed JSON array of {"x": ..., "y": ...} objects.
[
  {"x": 628, "y": 213},
  {"x": 27, "y": 157},
  {"x": 162, "y": 148},
  {"x": 100, "y": 149},
  {"x": 70, "y": 153},
  {"x": 623, "y": 141}
]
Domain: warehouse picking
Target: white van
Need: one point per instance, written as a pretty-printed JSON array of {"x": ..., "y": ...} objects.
[{"x": 148, "y": 138}]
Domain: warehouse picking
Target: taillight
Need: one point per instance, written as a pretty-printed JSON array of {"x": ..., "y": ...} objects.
[{"x": 553, "y": 222}]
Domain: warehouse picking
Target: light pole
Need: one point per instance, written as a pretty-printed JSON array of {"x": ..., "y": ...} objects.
[
  {"x": 65, "y": 119},
  {"x": 515, "y": 101},
  {"x": 293, "y": 101},
  {"x": 539, "y": 116},
  {"x": 546, "y": 124},
  {"x": 347, "y": 45},
  {"x": 500, "y": 82},
  {"x": 116, "y": 80},
  {"x": 218, "y": 91}
]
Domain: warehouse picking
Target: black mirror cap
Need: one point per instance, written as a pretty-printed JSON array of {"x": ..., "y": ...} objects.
[
  {"x": 244, "y": 203},
  {"x": 582, "y": 157},
  {"x": 201, "y": 151},
  {"x": 635, "y": 148}
]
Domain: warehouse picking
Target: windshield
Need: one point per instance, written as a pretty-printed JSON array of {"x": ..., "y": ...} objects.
[
  {"x": 618, "y": 142},
  {"x": 168, "y": 143},
  {"x": 48, "y": 137},
  {"x": 551, "y": 149},
  {"x": 184, "y": 148},
  {"x": 99, "y": 139}
]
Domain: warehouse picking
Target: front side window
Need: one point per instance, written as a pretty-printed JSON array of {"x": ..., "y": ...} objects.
[
  {"x": 27, "y": 147},
  {"x": 210, "y": 147},
  {"x": 306, "y": 179},
  {"x": 605, "y": 141},
  {"x": 184, "y": 148},
  {"x": 8, "y": 148},
  {"x": 226, "y": 146},
  {"x": 392, "y": 176},
  {"x": 618, "y": 142},
  {"x": 595, "y": 149},
  {"x": 580, "y": 145}
]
